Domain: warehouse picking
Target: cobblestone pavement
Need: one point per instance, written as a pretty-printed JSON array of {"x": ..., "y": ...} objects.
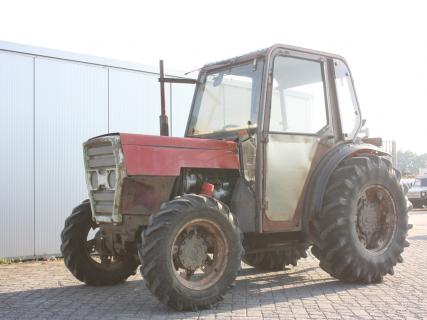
[{"x": 46, "y": 290}]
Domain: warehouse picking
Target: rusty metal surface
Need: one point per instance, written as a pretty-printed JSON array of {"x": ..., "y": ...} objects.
[
  {"x": 133, "y": 195},
  {"x": 199, "y": 254},
  {"x": 164, "y": 123},
  {"x": 144, "y": 195},
  {"x": 374, "y": 141},
  {"x": 295, "y": 223},
  {"x": 376, "y": 218},
  {"x": 144, "y": 177},
  {"x": 289, "y": 159},
  {"x": 166, "y": 156},
  {"x": 266, "y": 99},
  {"x": 267, "y": 51}
]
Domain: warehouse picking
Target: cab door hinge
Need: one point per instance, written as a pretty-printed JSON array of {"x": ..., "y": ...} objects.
[
  {"x": 264, "y": 205},
  {"x": 264, "y": 139}
]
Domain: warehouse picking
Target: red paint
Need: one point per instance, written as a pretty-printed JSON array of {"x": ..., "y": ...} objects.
[
  {"x": 207, "y": 189},
  {"x": 165, "y": 156}
]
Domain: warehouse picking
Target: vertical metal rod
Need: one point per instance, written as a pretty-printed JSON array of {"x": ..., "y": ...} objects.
[
  {"x": 170, "y": 109},
  {"x": 164, "y": 125},
  {"x": 34, "y": 156},
  {"x": 108, "y": 99},
  {"x": 394, "y": 152}
]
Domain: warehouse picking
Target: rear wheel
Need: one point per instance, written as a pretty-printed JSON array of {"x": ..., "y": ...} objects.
[
  {"x": 81, "y": 257},
  {"x": 361, "y": 230},
  {"x": 191, "y": 252},
  {"x": 276, "y": 260}
]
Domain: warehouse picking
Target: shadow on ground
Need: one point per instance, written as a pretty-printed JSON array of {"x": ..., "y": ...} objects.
[
  {"x": 418, "y": 237},
  {"x": 132, "y": 299}
]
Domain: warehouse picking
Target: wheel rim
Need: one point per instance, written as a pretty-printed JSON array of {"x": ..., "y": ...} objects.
[
  {"x": 199, "y": 254},
  {"x": 102, "y": 260},
  {"x": 376, "y": 218}
]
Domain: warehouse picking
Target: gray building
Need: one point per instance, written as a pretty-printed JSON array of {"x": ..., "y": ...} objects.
[{"x": 50, "y": 102}]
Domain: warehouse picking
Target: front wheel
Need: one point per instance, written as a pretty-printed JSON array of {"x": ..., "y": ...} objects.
[
  {"x": 190, "y": 252},
  {"x": 81, "y": 257},
  {"x": 361, "y": 230}
]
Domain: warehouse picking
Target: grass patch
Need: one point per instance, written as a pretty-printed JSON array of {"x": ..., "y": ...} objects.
[{"x": 5, "y": 261}]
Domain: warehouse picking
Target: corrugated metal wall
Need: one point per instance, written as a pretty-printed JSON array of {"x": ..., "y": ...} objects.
[
  {"x": 48, "y": 108},
  {"x": 16, "y": 155}
]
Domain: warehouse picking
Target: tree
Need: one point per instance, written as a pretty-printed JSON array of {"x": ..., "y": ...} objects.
[{"x": 409, "y": 162}]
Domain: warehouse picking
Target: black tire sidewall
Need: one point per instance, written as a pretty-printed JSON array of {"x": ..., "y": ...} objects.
[
  {"x": 385, "y": 181},
  {"x": 233, "y": 257},
  {"x": 335, "y": 240},
  {"x": 77, "y": 260}
]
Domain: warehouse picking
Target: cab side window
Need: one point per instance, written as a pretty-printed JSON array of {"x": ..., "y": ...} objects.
[
  {"x": 298, "y": 96},
  {"x": 349, "y": 110}
]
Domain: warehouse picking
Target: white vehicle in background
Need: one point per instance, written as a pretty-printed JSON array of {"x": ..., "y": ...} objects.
[
  {"x": 407, "y": 183},
  {"x": 417, "y": 194}
]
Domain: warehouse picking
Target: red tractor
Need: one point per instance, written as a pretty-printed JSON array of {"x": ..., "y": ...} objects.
[{"x": 271, "y": 163}]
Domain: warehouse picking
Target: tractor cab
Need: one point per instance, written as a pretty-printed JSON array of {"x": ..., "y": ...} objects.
[
  {"x": 288, "y": 107},
  {"x": 280, "y": 89}
]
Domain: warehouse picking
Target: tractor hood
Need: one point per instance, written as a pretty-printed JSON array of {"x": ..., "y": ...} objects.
[{"x": 146, "y": 155}]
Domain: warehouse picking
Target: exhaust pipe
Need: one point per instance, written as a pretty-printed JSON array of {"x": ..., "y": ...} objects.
[{"x": 164, "y": 122}]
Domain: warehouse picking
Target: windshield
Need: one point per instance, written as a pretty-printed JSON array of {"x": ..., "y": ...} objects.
[
  {"x": 227, "y": 100},
  {"x": 420, "y": 183}
]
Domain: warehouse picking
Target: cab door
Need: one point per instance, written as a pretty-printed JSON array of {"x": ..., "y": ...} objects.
[{"x": 297, "y": 132}]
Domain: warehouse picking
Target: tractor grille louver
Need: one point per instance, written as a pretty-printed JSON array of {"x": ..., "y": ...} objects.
[{"x": 101, "y": 176}]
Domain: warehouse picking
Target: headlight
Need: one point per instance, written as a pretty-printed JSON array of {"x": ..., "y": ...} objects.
[
  {"x": 423, "y": 194},
  {"x": 94, "y": 180},
  {"x": 112, "y": 179},
  {"x": 103, "y": 179}
]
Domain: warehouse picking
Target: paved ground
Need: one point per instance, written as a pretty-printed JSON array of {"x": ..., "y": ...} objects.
[{"x": 46, "y": 290}]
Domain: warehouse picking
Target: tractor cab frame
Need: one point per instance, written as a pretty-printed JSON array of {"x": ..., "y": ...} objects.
[{"x": 288, "y": 104}]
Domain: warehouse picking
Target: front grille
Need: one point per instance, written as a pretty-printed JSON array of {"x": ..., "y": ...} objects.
[{"x": 101, "y": 177}]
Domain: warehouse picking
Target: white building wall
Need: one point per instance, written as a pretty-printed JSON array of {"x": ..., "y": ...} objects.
[
  {"x": 71, "y": 105},
  {"x": 129, "y": 90},
  {"x": 16, "y": 155},
  {"x": 180, "y": 106},
  {"x": 50, "y": 103}
]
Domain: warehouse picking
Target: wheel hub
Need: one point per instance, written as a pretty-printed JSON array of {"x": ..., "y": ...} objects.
[
  {"x": 368, "y": 218},
  {"x": 193, "y": 252},
  {"x": 199, "y": 254},
  {"x": 376, "y": 217}
]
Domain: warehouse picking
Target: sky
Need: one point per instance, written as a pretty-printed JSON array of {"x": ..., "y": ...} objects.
[{"x": 384, "y": 42}]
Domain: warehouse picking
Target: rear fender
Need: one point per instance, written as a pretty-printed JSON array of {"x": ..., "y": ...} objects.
[{"x": 319, "y": 180}]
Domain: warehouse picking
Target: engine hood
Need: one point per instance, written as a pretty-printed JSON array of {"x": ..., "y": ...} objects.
[{"x": 166, "y": 156}]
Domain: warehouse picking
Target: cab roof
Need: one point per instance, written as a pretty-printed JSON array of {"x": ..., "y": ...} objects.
[{"x": 266, "y": 52}]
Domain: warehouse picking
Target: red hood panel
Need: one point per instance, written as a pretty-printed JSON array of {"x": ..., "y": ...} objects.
[{"x": 165, "y": 156}]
